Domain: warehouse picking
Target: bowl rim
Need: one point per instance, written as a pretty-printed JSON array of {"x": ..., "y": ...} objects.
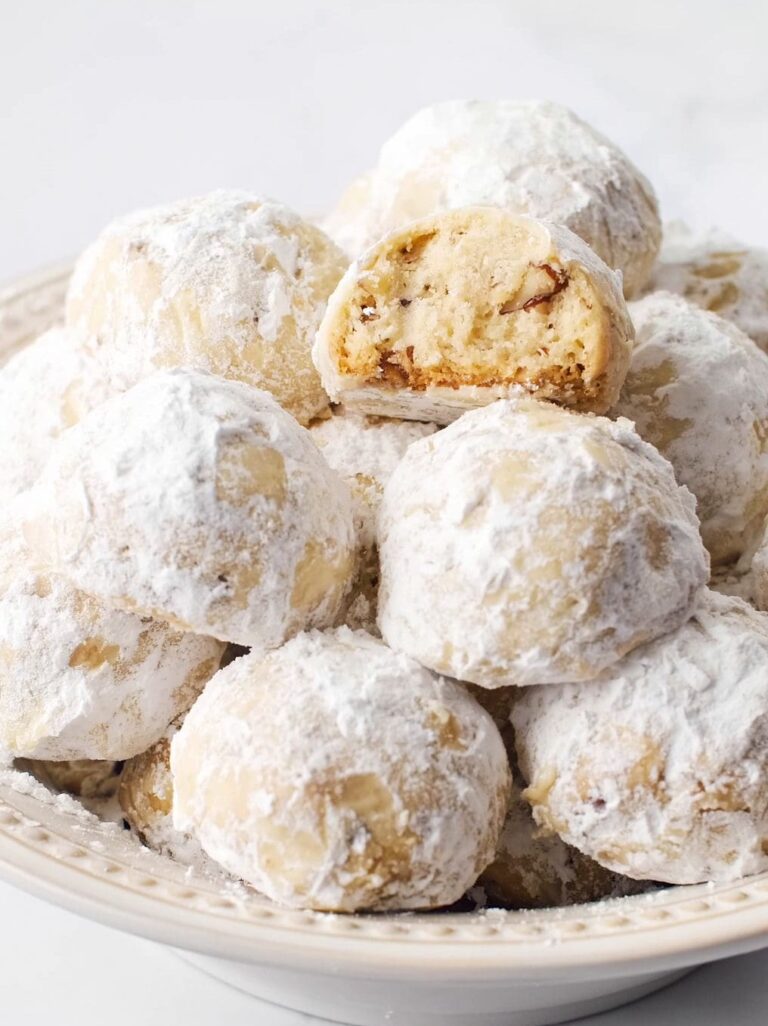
[
  {"x": 111, "y": 878},
  {"x": 47, "y": 850}
]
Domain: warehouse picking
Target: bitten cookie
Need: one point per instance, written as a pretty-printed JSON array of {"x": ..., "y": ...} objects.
[
  {"x": 533, "y": 158},
  {"x": 79, "y": 680},
  {"x": 228, "y": 283},
  {"x": 659, "y": 768},
  {"x": 457, "y": 310},
  {"x": 335, "y": 774},
  {"x": 697, "y": 389},
  {"x": 364, "y": 451},
  {"x": 200, "y": 502},
  {"x": 526, "y": 545},
  {"x": 718, "y": 273},
  {"x": 44, "y": 389}
]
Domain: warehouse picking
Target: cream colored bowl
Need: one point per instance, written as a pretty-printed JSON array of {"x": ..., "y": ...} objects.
[{"x": 494, "y": 968}]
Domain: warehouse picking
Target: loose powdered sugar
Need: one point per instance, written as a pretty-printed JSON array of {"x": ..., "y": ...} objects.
[
  {"x": 533, "y": 158},
  {"x": 23, "y": 782},
  {"x": 146, "y": 799},
  {"x": 201, "y": 502},
  {"x": 90, "y": 779},
  {"x": 659, "y": 768},
  {"x": 526, "y": 545},
  {"x": 335, "y": 774}
]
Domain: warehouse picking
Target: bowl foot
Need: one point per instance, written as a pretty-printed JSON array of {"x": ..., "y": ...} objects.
[{"x": 391, "y": 1002}]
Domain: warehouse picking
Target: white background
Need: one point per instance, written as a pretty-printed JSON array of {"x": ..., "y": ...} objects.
[{"x": 107, "y": 105}]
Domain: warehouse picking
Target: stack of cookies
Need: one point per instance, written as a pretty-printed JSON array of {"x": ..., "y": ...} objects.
[{"x": 372, "y": 563}]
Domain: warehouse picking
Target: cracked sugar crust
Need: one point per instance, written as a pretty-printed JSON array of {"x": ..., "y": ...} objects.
[
  {"x": 145, "y": 795},
  {"x": 534, "y": 868},
  {"x": 337, "y": 775},
  {"x": 44, "y": 389},
  {"x": 200, "y": 502},
  {"x": 228, "y": 283},
  {"x": 457, "y": 310},
  {"x": 364, "y": 451},
  {"x": 79, "y": 680},
  {"x": 697, "y": 389},
  {"x": 659, "y": 768},
  {"x": 525, "y": 544},
  {"x": 716, "y": 272},
  {"x": 533, "y": 158}
]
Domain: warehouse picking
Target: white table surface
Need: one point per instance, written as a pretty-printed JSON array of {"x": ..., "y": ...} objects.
[{"x": 108, "y": 106}]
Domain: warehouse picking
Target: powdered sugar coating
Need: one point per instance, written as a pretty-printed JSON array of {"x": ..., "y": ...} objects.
[
  {"x": 146, "y": 799},
  {"x": 525, "y": 545},
  {"x": 697, "y": 389},
  {"x": 364, "y": 451},
  {"x": 201, "y": 502},
  {"x": 228, "y": 282},
  {"x": 533, "y": 158},
  {"x": 718, "y": 273},
  {"x": 79, "y": 680},
  {"x": 335, "y": 774},
  {"x": 659, "y": 768},
  {"x": 44, "y": 389},
  {"x": 534, "y": 868}
]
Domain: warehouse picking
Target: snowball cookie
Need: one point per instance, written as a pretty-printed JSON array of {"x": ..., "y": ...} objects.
[
  {"x": 454, "y": 311},
  {"x": 534, "y": 868},
  {"x": 346, "y": 221},
  {"x": 718, "y": 273},
  {"x": 200, "y": 502},
  {"x": 79, "y": 680},
  {"x": 659, "y": 769},
  {"x": 44, "y": 389},
  {"x": 697, "y": 389},
  {"x": 527, "y": 545},
  {"x": 229, "y": 283},
  {"x": 335, "y": 774},
  {"x": 84, "y": 778},
  {"x": 530, "y": 158},
  {"x": 146, "y": 799},
  {"x": 364, "y": 451}
]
